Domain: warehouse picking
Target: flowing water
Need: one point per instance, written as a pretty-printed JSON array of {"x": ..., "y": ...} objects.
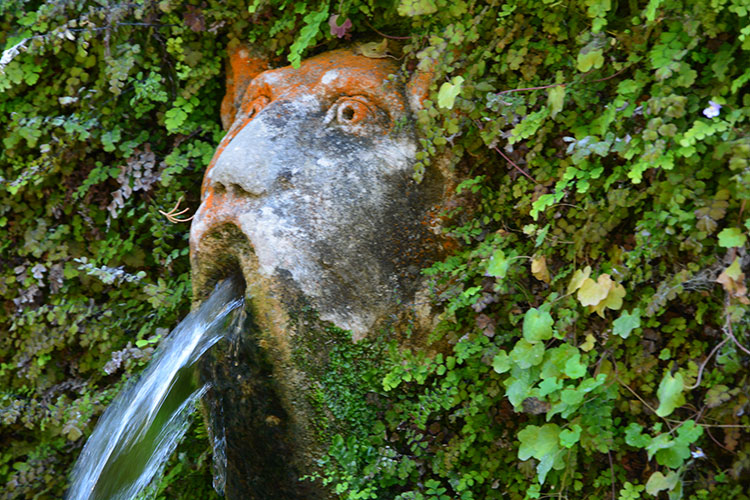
[{"x": 144, "y": 423}]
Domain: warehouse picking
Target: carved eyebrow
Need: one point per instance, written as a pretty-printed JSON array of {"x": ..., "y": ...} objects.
[{"x": 391, "y": 101}]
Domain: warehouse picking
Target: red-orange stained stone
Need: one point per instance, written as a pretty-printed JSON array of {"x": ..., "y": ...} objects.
[
  {"x": 248, "y": 79},
  {"x": 243, "y": 68}
]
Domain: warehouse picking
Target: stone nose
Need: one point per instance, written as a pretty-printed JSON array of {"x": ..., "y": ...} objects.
[{"x": 245, "y": 167}]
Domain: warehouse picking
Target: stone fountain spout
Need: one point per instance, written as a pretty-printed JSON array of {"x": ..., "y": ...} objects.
[{"x": 311, "y": 197}]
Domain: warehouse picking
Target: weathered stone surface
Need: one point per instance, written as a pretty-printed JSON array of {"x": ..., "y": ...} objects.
[{"x": 310, "y": 196}]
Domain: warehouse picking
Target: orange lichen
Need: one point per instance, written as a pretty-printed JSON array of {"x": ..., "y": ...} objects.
[
  {"x": 244, "y": 66},
  {"x": 419, "y": 87}
]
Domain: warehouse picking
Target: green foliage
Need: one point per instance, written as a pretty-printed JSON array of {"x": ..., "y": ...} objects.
[
  {"x": 608, "y": 140},
  {"x": 622, "y": 129}
]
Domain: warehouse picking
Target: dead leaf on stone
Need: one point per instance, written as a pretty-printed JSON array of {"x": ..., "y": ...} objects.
[
  {"x": 733, "y": 280},
  {"x": 374, "y": 50},
  {"x": 539, "y": 269}
]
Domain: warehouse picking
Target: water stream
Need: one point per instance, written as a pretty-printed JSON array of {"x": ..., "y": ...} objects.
[{"x": 143, "y": 424}]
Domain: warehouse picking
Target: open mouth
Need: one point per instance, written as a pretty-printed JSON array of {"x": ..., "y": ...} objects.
[
  {"x": 255, "y": 435},
  {"x": 223, "y": 252}
]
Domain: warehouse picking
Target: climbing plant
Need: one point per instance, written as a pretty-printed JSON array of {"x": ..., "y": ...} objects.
[{"x": 593, "y": 341}]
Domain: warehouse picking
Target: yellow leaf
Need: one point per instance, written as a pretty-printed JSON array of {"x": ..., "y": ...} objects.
[
  {"x": 592, "y": 292},
  {"x": 578, "y": 278},
  {"x": 733, "y": 280},
  {"x": 734, "y": 271},
  {"x": 589, "y": 343},
  {"x": 612, "y": 301},
  {"x": 539, "y": 269}
]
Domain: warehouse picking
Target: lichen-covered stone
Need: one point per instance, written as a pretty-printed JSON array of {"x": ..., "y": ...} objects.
[{"x": 310, "y": 196}]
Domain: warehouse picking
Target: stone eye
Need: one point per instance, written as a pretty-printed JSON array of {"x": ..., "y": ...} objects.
[{"x": 350, "y": 111}]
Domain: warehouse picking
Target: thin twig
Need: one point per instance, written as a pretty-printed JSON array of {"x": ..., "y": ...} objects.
[
  {"x": 705, "y": 362},
  {"x": 718, "y": 443},
  {"x": 612, "y": 471},
  {"x": 532, "y": 88},
  {"x": 514, "y": 165},
  {"x": 726, "y": 426},
  {"x": 636, "y": 394},
  {"x": 479, "y": 126},
  {"x": 607, "y": 77},
  {"x": 542, "y": 87},
  {"x": 387, "y": 36}
]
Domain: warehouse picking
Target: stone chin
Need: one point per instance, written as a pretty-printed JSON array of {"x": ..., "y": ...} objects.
[{"x": 310, "y": 195}]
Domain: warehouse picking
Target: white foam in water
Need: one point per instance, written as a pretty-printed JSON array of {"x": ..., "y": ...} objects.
[{"x": 144, "y": 423}]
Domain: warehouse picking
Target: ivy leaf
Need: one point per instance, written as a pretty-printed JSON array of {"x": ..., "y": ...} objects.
[
  {"x": 410, "y": 8},
  {"x": 525, "y": 354},
  {"x": 635, "y": 437},
  {"x": 670, "y": 394},
  {"x": 374, "y": 50},
  {"x": 501, "y": 362},
  {"x": 571, "y": 397},
  {"x": 593, "y": 59},
  {"x": 449, "y": 91},
  {"x": 537, "y": 325},
  {"x": 626, "y": 323},
  {"x": 570, "y": 437},
  {"x": 659, "y": 482},
  {"x": 550, "y": 385},
  {"x": 573, "y": 366},
  {"x": 731, "y": 237},
  {"x": 589, "y": 343},
  {"x": 613, "y": 300},
  {"x": 498, "y": 266},
  {"x": 555, "y": 359},
  {"x": 517, "y": 386},
  {"x": 555, "y": 99},
  {"x": 541, "y": 443}
]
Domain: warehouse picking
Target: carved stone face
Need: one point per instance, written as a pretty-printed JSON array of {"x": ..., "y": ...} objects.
[
  {"x": 316, "y": 173},
  {"x": 310, "y": 196}
]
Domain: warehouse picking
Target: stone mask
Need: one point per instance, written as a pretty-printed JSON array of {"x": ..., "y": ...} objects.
[
  {"x": 311, "y": 191},
  {"x": 310, "y": 198}
]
